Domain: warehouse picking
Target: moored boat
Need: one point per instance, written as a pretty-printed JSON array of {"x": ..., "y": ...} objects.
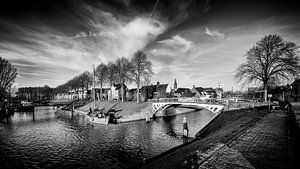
[{"x": 97, "y": 120}]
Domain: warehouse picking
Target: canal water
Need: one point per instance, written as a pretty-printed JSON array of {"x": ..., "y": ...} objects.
[{"x": 50, "y": 139}]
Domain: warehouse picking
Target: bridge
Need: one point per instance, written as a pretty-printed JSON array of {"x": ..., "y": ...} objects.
[{"x": 160, "y": 105}]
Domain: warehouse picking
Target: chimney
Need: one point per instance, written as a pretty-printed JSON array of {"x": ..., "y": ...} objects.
[{"x": 157, "y": 84}]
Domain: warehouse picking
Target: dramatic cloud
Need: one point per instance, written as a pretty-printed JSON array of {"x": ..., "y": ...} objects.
[
  {"x": 197, "y": 42},
  {"x": 105, "y": 38}
]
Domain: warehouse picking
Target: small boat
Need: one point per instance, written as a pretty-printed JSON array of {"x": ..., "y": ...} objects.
[{"x": 97, "y": 120}]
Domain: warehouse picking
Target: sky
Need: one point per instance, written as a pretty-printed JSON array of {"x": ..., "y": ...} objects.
[{"x": 198, "y": 42}]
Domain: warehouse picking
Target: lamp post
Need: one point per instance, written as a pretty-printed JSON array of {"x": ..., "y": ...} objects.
[{"x": 269, "y": 96}]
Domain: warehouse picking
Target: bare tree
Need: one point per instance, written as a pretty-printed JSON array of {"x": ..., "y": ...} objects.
[
  {"x": 84, "y": 80},
  {"x": 101, "y": 73},
  {"x": 141, "y": 70},
  {"x": 8, "y": 73},
  {"x": 269, "y": 61},
  {"x": 111, "y": 76},
  {"x": 123, "y": 67}
]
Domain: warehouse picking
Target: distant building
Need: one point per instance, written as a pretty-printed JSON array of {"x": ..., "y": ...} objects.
[
  {"x": 198, "y": 91},
  {"x": 188, "y": 93},
  {"x": 295, "y": 90},
  {"x": 210, "y": 92},
  {"x": 172, "y": 91},
  {"x": 117, "y": 91},
  {"x": 131, "y": 94},
  {"x": 219, "y": 91},
  {"x": 105, "y": 92},
  {"x": 204, "y": 93},
  {"x": 175, "y": 85},
  {"x": 153, "y": 91},
  {"x": 180, "y": 92}
]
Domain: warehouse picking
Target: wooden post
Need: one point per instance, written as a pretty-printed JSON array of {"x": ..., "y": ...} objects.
[{"x": 185, "y": 128}]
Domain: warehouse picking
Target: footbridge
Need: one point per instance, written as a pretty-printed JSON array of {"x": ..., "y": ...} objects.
[{"x": 160, "y": 105}]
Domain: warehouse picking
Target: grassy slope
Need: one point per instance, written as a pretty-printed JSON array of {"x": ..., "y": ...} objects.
[
  {"x": 224, "y": 128},
  {"x": 128, "y": 109}
]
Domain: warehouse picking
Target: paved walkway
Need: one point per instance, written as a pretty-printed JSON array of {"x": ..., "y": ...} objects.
[{"x": 266, "y": 145}]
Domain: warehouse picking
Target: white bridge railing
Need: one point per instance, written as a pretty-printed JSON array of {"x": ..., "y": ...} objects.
[
  {"x": 227, "y": 103},
  {"x": 159, "y": 105},
  {"x": 187, "y": 100}
]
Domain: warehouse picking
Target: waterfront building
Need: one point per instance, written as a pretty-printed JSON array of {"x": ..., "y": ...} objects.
[
  {"x": 180, "y": 92},
  {"x": 131, "y": 94},
  {"x": 198, "y": 91},
  {"x": 295, "y": 93},
  {"x": 153, "y": 91},
  {"x": 105, "y": 92},
  {"x": 117, "y": 91},
  {"x": 205, "y": 93}
]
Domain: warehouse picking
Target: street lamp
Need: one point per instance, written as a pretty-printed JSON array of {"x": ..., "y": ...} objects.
[{"x": 269, "y": 96}]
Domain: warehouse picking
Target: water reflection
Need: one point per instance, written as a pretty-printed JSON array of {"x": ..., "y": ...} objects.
[{"x": 49, "y": 139}]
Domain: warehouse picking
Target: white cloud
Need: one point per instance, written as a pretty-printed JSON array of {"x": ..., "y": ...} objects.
[
  {"x": 137, "y": 34},
  {"x": 214, "y": 33},
  {"x": 178, "y": 42}
]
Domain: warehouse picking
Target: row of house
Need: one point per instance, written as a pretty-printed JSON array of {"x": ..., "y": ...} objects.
[
  {"x": 199, "y": 92},
  {"x": 160, "y": 91},
  {"x": 147, "y": 92}
]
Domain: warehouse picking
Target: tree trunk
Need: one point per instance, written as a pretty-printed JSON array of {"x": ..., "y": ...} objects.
[
  {"x": 101, "y": 92},
  {"x": 122, "y": 92},
  {"x": 138, "y": 92},
  {"x": 266, "y": 93},
  {"x": 82, "y": 93},
  {"x": 111, "y": 92}
]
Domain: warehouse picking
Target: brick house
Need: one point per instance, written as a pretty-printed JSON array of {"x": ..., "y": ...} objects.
[
  {"x": 180, "y": 92},
  {"x": 153, "y": 91}
]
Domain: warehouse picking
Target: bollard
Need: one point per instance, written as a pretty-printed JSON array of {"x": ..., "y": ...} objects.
[
  {"x": 185, "y": 128},
  {"x": 147, "y": 117},
  {"x": 227, "y": 104}
]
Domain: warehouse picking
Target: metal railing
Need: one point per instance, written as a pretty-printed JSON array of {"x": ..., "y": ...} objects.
[
  {"x": 187, "y": 100},
  {"x": 229, "y": 104}
]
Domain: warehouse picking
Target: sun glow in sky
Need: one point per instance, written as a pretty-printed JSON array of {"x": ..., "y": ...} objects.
[{"x": 197, "y": 42}]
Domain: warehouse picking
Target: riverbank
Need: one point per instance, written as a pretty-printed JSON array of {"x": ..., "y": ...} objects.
[
  {"x": 55, "y": 102},
  {"x": 126, "y": 111},
  {"x": 237, "y": 139}
]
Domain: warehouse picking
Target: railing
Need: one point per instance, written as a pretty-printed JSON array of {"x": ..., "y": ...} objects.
[
  {"x": 228, "y": 104},
  {"x": 187, "y": 100}
]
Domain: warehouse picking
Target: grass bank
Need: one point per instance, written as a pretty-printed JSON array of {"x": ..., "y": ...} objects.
[
  {"x": 126, "y": 111},
  {"x": 225, "y": 127}
]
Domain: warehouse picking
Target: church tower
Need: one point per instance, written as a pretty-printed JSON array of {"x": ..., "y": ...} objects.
[{"x": 175, "y": 84}]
